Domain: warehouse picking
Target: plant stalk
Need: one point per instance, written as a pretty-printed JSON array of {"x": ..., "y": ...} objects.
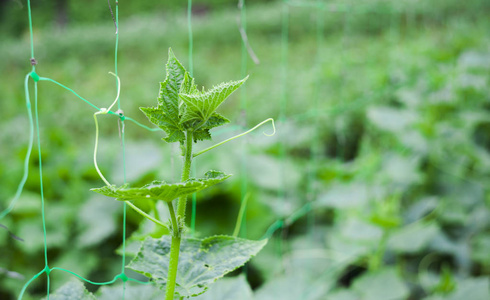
[
  {"x": 186, "y": 171},
  {"x": 172, "y": 267},
  {"x": 177, "y": 222}
]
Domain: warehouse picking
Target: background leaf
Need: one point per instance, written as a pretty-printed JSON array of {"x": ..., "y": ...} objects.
[
  {"x": 235, "y": 288},
  {"x": 73, "y": 290}
]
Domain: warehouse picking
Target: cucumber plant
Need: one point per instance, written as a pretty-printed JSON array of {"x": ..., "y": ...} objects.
[{"x": 184, "y": 266}]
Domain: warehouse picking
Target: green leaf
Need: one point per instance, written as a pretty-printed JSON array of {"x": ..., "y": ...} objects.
[
  {"x": 293, "y": 287},
  {"x": 200, "y": 106},
  {"x": 385, "y": 284},
  {"x": 167, "y": 114},
  {"x": 97, "y": 220},
  {"x": 472, "y": 288},
  {"x": 214, "y": 121},
  {"x": 201, "y": 261},
  {"x": 159, "y": 190},
  {"x": 413, "y": 238},
  {"x": 480, "y": 248},
  {"x": 131, "y": 291},
  {"x": 188, "y": 85},
  {"x": 73, "y": 290},
  {"x": 168, "y": 97},
  {"x": 157, "y": 116}
]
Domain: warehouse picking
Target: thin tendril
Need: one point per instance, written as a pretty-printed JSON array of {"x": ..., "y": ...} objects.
[
  {"x": 145, "y": 214},
  {"x": 118, "y": 90},
  {"x": 240, "y": 135},
  {"x": 96, "y": 146}
]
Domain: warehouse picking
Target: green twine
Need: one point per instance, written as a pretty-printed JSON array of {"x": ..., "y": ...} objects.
[
  {"x": 315, "y": 145},
  {"x": 31, "y": 35},
  {"x": 70, "y": 90},
  {"x": 191, "y": 72},
  {"x": 242, "y": 218},
  {"x": 36, "y": 78},
  {"x": 20, "y": 187},
  {"x": 122, "y": 117},
  {"x": 282, "y": 108},
  {"x": 191, "y": 42},
  {"x": 38, "y": 134}
]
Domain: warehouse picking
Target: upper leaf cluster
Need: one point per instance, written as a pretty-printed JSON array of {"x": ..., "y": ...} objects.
[{"x": 182, "y": 107}]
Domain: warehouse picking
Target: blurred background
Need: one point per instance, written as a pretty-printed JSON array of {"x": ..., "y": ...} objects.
[{"x": 375, "y": 185}]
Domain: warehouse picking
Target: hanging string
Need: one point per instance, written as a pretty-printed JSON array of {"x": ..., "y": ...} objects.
[
  {"x": 282, "y": 115},
  {"x": 315, "y": 143},
  {"x": 191, "y": 72},
  {"x": 243, "y": 105}
]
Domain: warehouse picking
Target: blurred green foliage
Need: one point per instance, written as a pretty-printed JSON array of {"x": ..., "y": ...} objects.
[{"x": 387, "y": 132}]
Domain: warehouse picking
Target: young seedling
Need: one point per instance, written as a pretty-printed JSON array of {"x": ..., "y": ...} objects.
[{"x": 183, "y": 265}]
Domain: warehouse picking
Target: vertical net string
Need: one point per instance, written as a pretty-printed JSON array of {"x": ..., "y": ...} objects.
[
  {"x": 315, "y": 144},
  {"x": 123, "y": 146},
  {"x": 243, "y": 105},
  {"x": 191, "y": 72},
  {"x": 282, "y": 112},
  {"x": 34, "y": 123}
]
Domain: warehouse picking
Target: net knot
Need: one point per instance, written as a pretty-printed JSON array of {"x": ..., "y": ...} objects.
[
  {"x": 33, "y": 61},
  {"x": 34, "y": 76},
  {"x": 120, "y": 113},
  {"x": 123, "y": 277},
  {"x": 47, "y": 270}
]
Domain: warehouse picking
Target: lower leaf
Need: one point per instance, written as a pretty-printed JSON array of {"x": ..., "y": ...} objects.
[{"x": 201, "y": 261}]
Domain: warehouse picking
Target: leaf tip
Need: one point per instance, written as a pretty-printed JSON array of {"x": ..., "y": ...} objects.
[{"x": 170, "y": 53}]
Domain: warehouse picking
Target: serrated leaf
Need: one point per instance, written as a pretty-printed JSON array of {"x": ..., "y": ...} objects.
[
  {"x": 168, "y": 97},
  {"x": 188, "y": 85},
  {"x": 167, "y": 114},
  {"x": 159, "y": 190},
  {"x": 201, "y": 261},
  {"x": 73, "y": 290},
  {"x": 157, "y": 116},
  {"x": 200, "y": 106},
  {"x": 214, "y": 121}
]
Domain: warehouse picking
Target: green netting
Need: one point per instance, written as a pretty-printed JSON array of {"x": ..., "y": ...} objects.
[{"x": 47, "y": 270}]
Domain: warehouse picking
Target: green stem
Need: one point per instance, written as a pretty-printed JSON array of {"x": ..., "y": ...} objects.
[
  {"x": 175, "y": 224},
  {"x": 241, "y": 213},
  {"x": 177, "y": 221},
  {"x": 186, "y": 171},
  {"x": 172, "y": 268}
]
